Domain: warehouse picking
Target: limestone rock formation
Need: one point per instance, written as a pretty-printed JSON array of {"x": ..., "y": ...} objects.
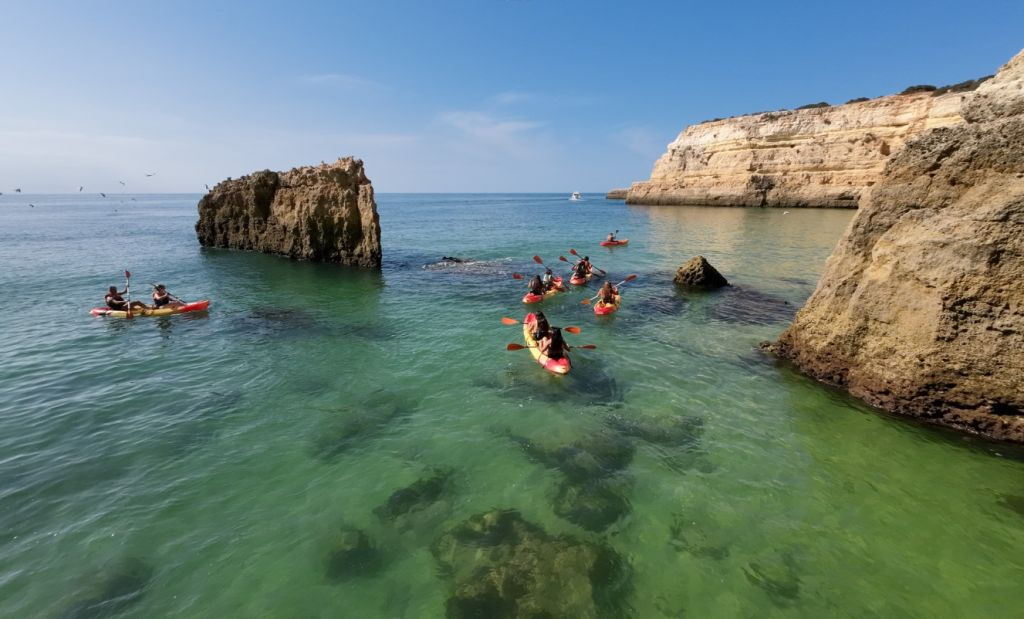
[
  {"x": 505, "y": 566},
  {"x": 617, "y": 194},
  {"x": 813, "y": 157},
  {"x": 921, "y": 307},
  {"x": 698, "y": 274},
  {"x": 324, "y": 213}
]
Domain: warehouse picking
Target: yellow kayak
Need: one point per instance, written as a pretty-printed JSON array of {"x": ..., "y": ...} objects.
[{"x": 197, "y": 306}]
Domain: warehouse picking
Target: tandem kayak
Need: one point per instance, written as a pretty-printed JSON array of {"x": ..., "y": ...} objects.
[
  {"x": 529, "y": 297},
  {"x": 196, "y": 306},
  {"x": 614, "y": 243},
  {"x": 555, "y": 366},
  {"x": 579, "y": 281},
  {"x": 603, "y": 309}
]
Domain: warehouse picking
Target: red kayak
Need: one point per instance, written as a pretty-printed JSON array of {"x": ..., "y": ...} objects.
[
  {"x": 529, "y": 297},
  {"x": 614, "y": 243},
  {"x": 579, "y": 281},
  {"x": 555, "y": 366},
  {"x": 603, "y": 309},
  {"x": 196, "y": 306}
]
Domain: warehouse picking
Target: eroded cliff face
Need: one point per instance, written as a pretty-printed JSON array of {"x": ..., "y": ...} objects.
[
  {"x": 818, "y": 157},
  {"x": 921, "y": 307},
  {"x": 324, "y": 213}
]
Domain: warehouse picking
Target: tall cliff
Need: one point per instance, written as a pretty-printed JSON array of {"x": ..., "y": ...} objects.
[
  {"x": 324, "y": 213},
  {"x": 816, "y": 157},
  {"x": 920, "y": 309}
]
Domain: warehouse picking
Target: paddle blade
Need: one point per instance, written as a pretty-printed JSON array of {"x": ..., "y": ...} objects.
[
  {"x": 517, "y": 276},
  {"x": 563, "y": 259},
  {"x": 630, "y": 278},
  {"x": 538, "y": 260},
  {"x": 585, "y": 301},
  {"x": 573, "y": 330},
  {"x": 587, "y": 346},
  {"x": 515, "y": 347},
  {"x": 573, "y": 252},
  {"x": 509, "y": 321},
  {"x": 127, "y": 273}
]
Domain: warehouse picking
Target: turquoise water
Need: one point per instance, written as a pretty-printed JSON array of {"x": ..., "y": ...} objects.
[{"x": 202, "y": 465}]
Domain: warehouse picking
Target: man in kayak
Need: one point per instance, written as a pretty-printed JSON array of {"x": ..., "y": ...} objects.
[
  {"x": 582, "y": 268},
  {"x": 162, "y": 298},
  {"x": 548, "y": 279},
  {"x": 536, "y": 286},
  {"x": 553, "y": 346},
  {"x": 115, "y": 301},
  {"x": 611, "y": 237}
]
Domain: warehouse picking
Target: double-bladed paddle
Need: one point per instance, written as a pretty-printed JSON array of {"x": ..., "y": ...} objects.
[
  {"x": 573, "y": 252},
  {"x": 616, "y": 287},
  {"x": 521, "y": 347},
  {"x": 512, "y": 321},
  {"x": 128, "y": 291}
]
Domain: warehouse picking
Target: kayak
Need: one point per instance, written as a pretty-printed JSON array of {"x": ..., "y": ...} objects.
[
  {"x": 196, "y": 306},
  {"x": 555, "y": 366},
  {"x": 529, "y": 297},
  {"x": 579, "y": 281},
  {"x": 603, "y": 309},
  {"x": 614, "y": 243}
]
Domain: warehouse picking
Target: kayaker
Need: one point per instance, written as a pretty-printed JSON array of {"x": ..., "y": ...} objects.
[
  {"x": 582, "y": 269},
  {"x": 611, "y": 237},
  {"x": 536, "y": 286},
  {"x": 548, "y": 279},
  {"x": 162, "y": 298},
  {"x": 607, "y": 293},
  {"x": 115, "y": 301},
  {"x": 554, "y": 346},
  {"x": 541, "y": 328}
]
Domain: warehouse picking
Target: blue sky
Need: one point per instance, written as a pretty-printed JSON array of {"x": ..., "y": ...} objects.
[{"x": 513, "y": 95}]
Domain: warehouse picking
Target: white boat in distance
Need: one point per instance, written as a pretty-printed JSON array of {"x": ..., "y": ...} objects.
[{"x": 575, "y": 196}]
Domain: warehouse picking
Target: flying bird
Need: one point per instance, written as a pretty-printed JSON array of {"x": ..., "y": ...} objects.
[
  {"x": 151, "y": 174},
  {"x": 207, "y": 188},
  {"x": 122, "y": 183},
  {"x": 103, "y": 194},
  {"x": 18, "y": 190},
  {"x": 32, "y": 205},
  {"x": 80, "y": 188}
]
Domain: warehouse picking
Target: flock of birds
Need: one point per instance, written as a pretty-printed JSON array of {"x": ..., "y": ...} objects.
[{"x": 82, "y": 187}]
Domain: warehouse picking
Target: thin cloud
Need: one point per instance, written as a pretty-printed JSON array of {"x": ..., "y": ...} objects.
[
  {"x": 487, "y": 128},
  {"x": 346, "y": 80},
  {"x": 641, "y": 140},
  {"x": 513, "y": 97}
]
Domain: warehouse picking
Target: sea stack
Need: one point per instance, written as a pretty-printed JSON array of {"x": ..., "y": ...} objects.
[
  {"x": 815, "y": 156},
  {"x": 324, "y": 213},
  {"x": 920, "y": 310}
]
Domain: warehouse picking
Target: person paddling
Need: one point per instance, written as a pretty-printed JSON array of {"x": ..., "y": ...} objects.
[
  {"x": 548, "y": 279},
  {"x": 582, "y": 269},
  {"x": 611, "y": 237},
  {"x": 541, "y": 328},
  {"x": 162, "y": 298},
  {"x": 553, "y": 346},
  {"x": 607, "y": 293},
  {"x": 115, "y": 301},
  {"x": 536, "y": 286}
]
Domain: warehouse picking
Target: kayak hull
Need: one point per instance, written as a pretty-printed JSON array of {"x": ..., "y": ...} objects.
[
  {"x": 529, "y": 297},
  {"x": 603, "y": 309},
  {"x": 579, "y": 281},
  {"x": 614, "y": 243},
  {"x": 197, "y": 306},
  {"x": 560, "y": 367}
]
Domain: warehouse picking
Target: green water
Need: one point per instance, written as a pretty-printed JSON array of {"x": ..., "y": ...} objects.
[{"x": 201, "y": 465}]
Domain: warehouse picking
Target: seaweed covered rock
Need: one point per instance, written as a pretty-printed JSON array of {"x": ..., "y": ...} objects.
[
  {"x": 323, "y": 213},
  {"x": 594, "y": 505},
  {"x": 698, "y": 274},
  {"x": 593, "y": 456},
  {"x": 117, "y": 588},
  {"x": 418, "y": 495},
  {"x": 503, "y": 566},
  {"x": 352, "y": 555}
]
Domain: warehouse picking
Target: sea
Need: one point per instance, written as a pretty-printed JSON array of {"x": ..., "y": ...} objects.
[{"x": 299, "y": 449}]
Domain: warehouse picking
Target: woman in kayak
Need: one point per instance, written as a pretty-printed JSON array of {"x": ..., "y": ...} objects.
[
  {"x": 548, "y": 279},
  {"x": 554, "y": 346},
  {"x": 607, "y": 294},
  {"x": 541, "y": 328},
  {"x": 162, "y": 298},
  {"x": 115, "y": 301},
  {"x": 582, "y": 269},
  {"x": 536, "y": 286}
]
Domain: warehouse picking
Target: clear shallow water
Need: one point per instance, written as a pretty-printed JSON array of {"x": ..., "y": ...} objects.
[{"x": 201, "y": 465}]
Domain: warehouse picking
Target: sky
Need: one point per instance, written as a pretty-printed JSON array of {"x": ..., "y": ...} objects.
[{"x": 440, "y": 96}]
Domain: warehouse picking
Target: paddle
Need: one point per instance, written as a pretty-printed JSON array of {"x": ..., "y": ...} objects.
[
  {"x": 512, "y": 321},
  {"x": 128, "y": 291},
  {"x": 616, "y": 287},
  {"x": 573, "y": 252},
  {"x": 521, "y": 347}
]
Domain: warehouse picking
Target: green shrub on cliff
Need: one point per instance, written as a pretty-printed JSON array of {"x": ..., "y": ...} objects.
[{"x": 811, "y": 106}]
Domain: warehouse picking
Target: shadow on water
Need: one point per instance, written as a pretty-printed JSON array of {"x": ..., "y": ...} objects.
[
  {"x": 117, "y": 588},
  {"x": 742, "y": 305},
  {"x": 355, "y": 425}
]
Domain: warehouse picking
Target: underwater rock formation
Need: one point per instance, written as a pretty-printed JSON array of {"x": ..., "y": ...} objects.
[
  {"x": 352, "y": 555},
  {"x": 352, "y": 426},
  {"x": 594, "y": 456},
  {"x": 323, "y": 213},
  {"x": 920, "y": 310},
  {"x": 777, "y": 575},
  {"x": 503, "y": 566},
  {"x": 117, "y": 589},
  {"x": 698, "y": 274},
  {"x": 414, "y": 497},
  {"x": 676, "y": 431},
  {"x": 592, "y": 505}
]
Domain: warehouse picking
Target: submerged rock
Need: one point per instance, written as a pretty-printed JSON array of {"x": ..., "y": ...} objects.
[
  {"x": 353, "y": 426},
  {"x": 675, "y": 432},
  {"x": 593, "y": 505},
  {"x": 420, "y": 494},
  {"x": 920, "y": 310},
  {"x": 698, "y": 274},
  {"x": 1013, "y": 502},
  {"x": 594, "y": 456},
  {"x": 118, "y": 588},
  {"x": 695, "y": 538},
  {"x": 324, "y": 213},
  {"x": 352, "y": 555},
  {"x": 503, "y": 566},
  {"x": 777, "y": 576}
]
